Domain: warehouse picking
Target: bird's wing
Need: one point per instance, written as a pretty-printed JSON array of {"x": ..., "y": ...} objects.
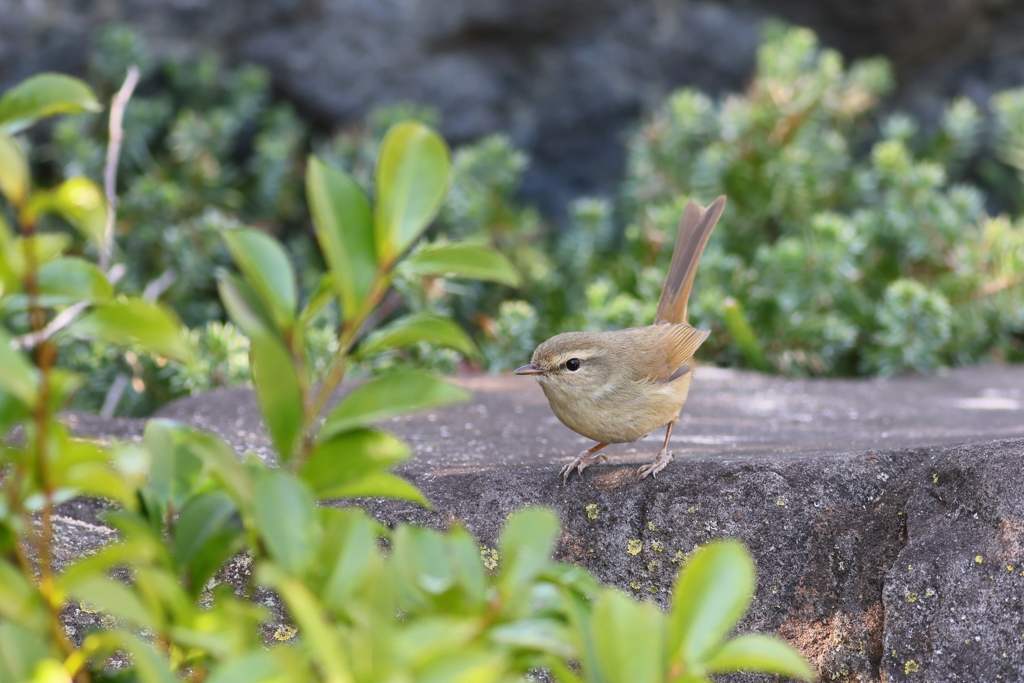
[{"x": 673, "y": 344}]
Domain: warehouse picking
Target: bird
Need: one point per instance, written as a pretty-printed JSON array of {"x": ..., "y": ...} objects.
[{"x": 621, "y": 385}]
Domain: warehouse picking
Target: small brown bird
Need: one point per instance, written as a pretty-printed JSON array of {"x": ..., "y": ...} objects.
[{"x": 619, "y": 386}]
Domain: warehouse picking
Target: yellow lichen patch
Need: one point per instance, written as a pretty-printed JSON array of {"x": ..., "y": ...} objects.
[
  {"x": 977, "y": 559},
  {"x": 635, "y": 585},
  {"x": 89, "y": 609},
  {"x": 678, "y": 557},
  {"x": 652, "y": 589},
  {"x": 911, "y": 597},
  {"x": 633, "y": 547},
  {"x": 1009, "y": 567},
  {"x": 651, "y": 526},
  {"x": 657, "y": 546},
  {"x": 911, "y": 667},
  {"x": 935, "y": 479},
  {"x": 691, "y": 509},
  {"x": 489, "y": 556},
  {"x": 592, "y": 511},
  {"x": 107, "y": 620},
  {"x": 285, "y": 633},
  {"x": 910, "y": 567},
  {"x": 652, "y": 565},
  {"x": 781, "y": 502}
]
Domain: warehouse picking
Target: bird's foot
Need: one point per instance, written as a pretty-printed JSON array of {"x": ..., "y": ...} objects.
[
  {"x": 652, "y": 468},
  {"x": 582, "y": 462}
]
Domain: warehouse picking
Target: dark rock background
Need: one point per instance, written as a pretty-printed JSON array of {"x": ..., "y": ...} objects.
[{"x": 566, "y": 78}]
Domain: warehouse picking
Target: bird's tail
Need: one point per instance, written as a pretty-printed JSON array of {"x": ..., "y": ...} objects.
[{"x": 694, "y": 229}]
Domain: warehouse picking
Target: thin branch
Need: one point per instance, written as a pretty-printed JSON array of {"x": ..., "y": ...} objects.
[
  {"x": 158, "y": 286},
  {"x": 117, "y": 107},
  {"x": 114, "y": 394},
  {"x": 64, "y": 318}
]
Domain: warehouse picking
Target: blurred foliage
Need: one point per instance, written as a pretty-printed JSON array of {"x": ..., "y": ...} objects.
[
  {"x": 432, "y": 608},
  {"x": 853, "y": 243},
  {"x": 850, "y": 245}
]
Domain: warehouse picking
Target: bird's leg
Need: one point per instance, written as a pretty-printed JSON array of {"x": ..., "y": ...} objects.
[
  {"x": 583, "y": 461},
  {"x": 664, "y": 457}
]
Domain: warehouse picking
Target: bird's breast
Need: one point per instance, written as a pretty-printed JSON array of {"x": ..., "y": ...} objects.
[{"x": 620, "y": 412}]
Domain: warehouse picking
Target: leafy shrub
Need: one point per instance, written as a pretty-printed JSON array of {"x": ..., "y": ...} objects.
[
  {"x": 427, "y": 610},
  {"x": 827, "y": 261}
]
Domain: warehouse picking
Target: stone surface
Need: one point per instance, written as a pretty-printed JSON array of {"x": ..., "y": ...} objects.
[
  {"x": 866, "y": 504},
  {"x": 566, "y": 78}
]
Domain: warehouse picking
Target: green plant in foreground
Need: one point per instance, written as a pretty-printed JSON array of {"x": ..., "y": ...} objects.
[{"x": 425, "y": 610}]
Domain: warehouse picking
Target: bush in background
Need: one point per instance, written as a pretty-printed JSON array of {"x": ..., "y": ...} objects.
[
  {"x": 852, "y": 244},
  {"x": 847, "y": 247}
]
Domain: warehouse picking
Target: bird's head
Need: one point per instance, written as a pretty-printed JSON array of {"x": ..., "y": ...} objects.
[{"x": 570, "y": 360}]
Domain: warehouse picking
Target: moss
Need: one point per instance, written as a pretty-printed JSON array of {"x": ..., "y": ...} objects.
[{"x": 285, "y": 633}]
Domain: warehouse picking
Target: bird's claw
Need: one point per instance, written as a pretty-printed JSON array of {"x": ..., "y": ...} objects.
[
  {"x": 652, "y": 468},
  {"x": 582, "y": 462}
]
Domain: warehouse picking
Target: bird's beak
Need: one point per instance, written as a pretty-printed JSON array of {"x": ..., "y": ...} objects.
[{"x": 530, "y": 369}]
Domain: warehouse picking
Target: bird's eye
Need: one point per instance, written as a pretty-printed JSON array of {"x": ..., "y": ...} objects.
[{"x": 573, "y": 364}]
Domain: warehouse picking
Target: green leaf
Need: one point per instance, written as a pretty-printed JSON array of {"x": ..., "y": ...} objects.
[
  {"x": 268, "y": 270},
  {"x": 20, "y": 601},
  {"x": 465, "y": 666},
  {"x": 628, "y": 639},
  {"x": 419, "y": 559},
  {"x": 712, "y": 593},
  {"x": 243, "y": 305},
  {"x": 285, "y": 515},
  {"x": 207, "y": 533},
  {"x": 149, "y": 667},
  {"x": 349, "y": 555},
  {"x": 526, "y": 546},
  {"x": 21, "y": 651},
  {"x": 216, "y": 456},
  {"x": 12, "y": 410},
  {"x": 70, "y": 279},
  {"x": 279, "y": 392},
  {"x": 275, "y": 377},
  {"x": 413, "y": 174},
  {"x": 115, "y": 598},
  {"x": 319, "y": 298},
  {"x": 391, "y": 395},
  {"x": 762, "y": 654},
  {"x": 473, "y": 261},
  {"x": 14, "y": 174},
  {"x": 344, "y": 229},
  {"x": 79, "y": 201},
  {"x": 41, "y": 96},
  {"x": 419, "y": 327},
  {"x": 543, "y": 635},
  {"x": 323, "y": 647},
  {"x": 152, "y": 326},
  {"x": 47, "y": 246},
  {"x": 65, "y": 281},
  {"x": 348, "y": 457},
  {"x": 252, "y": 667},
  {"x": 86, "y": 467},
  {"x": 19, "y": 377},
  {"x": 175, "y": 470},
  {"x": 380, "y": 485}
]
